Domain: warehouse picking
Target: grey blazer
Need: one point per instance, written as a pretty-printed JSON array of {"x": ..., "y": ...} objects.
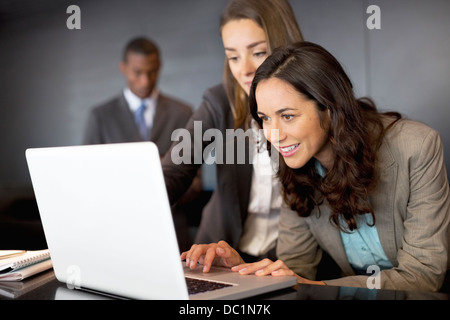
[
  {"x": 412, "y": 211},
  {"x": 113, "y": 122},
  {"x": 225, "y": 213}
]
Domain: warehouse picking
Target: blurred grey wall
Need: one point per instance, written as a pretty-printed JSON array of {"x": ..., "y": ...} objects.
[{"x": 50, "y": 76}]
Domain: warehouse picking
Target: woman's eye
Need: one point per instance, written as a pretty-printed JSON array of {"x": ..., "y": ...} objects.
[
  {"x": 288, "y": 116},
  {"x": 264, "y": 118},
  {"x": 232, "y": 58},
  {"x": 260, "y": 54}
]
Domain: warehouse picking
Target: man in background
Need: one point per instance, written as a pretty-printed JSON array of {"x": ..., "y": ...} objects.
[{"x": 141, "y": 112}]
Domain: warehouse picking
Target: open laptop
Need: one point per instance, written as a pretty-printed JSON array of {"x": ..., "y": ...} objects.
[{"x": 109, "y": 228}]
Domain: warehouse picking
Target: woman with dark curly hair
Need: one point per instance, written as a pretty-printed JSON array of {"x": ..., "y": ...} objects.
[{"x": 369, "y": 188}]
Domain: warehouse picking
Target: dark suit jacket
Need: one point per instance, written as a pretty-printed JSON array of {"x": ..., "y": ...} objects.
[
  {"x": 224, "y": 215},
  {"x": 113, "y": 122}
]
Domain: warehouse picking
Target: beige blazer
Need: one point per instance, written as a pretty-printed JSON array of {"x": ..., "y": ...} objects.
[{"x": 412, "y": 211}]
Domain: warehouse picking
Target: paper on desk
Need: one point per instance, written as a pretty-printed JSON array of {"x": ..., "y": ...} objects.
[
  {"x": 23, "y": 273},
  {"x": 4, "y": 254},
  {"x": 22, "y": 260}
]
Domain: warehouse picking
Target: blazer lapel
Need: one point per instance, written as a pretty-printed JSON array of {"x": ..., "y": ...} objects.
[
  {"x": 126, "y": 120},
  {"x": 383, "y": 198},
  {"x": 161, "y": 113},
  {"x": 328, "y": 236}
]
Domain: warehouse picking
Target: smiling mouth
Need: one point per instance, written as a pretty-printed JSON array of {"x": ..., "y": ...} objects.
[{"x": 288, "y": 151}]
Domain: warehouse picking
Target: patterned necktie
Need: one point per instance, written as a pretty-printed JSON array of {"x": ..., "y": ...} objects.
[{"x": 140, "y": 121}]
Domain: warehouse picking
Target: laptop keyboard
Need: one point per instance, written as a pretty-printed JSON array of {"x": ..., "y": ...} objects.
[{"x": 198, "y": 285}]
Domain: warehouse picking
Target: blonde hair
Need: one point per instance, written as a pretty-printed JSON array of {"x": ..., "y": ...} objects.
[{"x": 278, "y": 21}]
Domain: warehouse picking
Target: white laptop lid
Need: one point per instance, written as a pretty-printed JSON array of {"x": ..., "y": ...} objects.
[
  {"x": 108, "y": 224},
  {"x": 98, "y": 208}
]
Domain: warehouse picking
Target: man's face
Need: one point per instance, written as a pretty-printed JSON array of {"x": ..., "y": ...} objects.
[{"x": 141, "y": 72}]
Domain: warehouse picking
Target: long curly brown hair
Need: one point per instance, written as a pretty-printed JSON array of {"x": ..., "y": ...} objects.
[{"x": 356, "y": 132}]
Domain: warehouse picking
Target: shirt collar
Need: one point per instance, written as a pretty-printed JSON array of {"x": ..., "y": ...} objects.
[{"x": 135, "y": 102}]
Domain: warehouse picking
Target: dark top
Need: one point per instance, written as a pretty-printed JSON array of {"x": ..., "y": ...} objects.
[{"x": 223, "y": 217}]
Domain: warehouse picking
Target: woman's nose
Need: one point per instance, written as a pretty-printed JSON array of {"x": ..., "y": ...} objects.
[
  {"x": 247, "y": 67},
  {"x": 275, "y": 135}
]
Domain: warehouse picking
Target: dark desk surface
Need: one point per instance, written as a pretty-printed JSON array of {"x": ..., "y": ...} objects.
[{"x": 46, "y": 287}]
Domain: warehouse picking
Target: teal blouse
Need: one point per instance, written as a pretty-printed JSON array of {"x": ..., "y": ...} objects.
[{"x": 362, "y": 245}]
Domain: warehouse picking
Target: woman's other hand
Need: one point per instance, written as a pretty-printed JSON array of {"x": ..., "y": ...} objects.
[{"x": 268, "y": 267}]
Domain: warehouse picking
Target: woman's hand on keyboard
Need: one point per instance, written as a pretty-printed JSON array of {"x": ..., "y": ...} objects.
[{"x": 219, "y": 254}]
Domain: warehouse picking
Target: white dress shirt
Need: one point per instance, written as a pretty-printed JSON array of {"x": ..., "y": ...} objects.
[
  {"x": 261, "y": 226},
  {"x": 135, "y": 102}
]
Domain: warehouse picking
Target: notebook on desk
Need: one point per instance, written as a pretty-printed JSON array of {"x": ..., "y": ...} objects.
[{"x": 109, "y": 228}]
